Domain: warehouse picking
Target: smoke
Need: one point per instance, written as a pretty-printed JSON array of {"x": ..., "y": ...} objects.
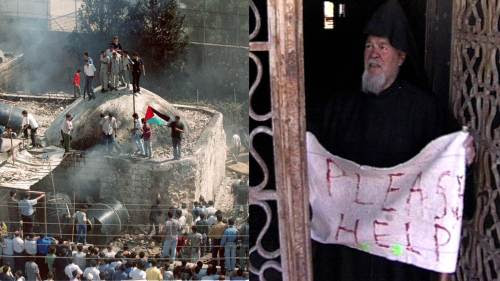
[
  {"x": 51, "y": 57},
  {"x": 212, "y": 71},
  {"x": 26, "y": 29}
]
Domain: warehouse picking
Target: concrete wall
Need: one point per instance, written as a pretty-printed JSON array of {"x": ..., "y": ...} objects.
[
  {"x": 210, "y": 154},
  {"x": 137, "y": 182},
  {"x": 10, "y": 70}
]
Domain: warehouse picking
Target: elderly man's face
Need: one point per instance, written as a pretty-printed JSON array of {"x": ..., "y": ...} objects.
[{"x": 382, "y": 62}]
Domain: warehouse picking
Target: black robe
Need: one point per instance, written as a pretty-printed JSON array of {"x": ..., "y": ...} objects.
[{"x": 381, "y": 131}]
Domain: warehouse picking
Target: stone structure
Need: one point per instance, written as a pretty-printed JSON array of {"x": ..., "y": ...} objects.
[
  {"x": 136, "y": 182},
  {"x": 10, "y": 69},
  {"x": 87, "y": 132}
]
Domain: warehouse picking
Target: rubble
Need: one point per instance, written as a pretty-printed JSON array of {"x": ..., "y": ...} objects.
[
  {"x": 45, "y": 113},
  {"x": 28, "y": 168},
  {"x": 195, "y": 120}
]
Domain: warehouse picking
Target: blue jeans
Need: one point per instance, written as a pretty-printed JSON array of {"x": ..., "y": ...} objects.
[
  {"x": 148, "y": 147},
  {"x": 230, "y": 255},
  {"x": 81, "y": 234},
  {"x": 195, "y": 254},
  {"x": 176, "y": 142},
  {"x": 138, "y": 143},
  {"x": 169, "y": 249},
  {"x": 88, "y": 87},
  {"x": 109, "y": 141}
]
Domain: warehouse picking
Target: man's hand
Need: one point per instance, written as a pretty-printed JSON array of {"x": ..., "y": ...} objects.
[{"x": 470, "y": 150}]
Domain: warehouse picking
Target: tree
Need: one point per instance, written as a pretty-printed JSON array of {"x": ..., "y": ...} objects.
[
  {"x": 106, "y": 17},
  {"x": 161, "y": 32},
  {"x": 154, "y": 27}
]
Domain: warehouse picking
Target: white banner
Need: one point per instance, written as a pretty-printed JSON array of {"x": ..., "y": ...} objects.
[{"x": 411, "y": 213}]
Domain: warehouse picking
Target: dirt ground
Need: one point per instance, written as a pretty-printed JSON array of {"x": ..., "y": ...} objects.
[{"x": 44, "y": 112}]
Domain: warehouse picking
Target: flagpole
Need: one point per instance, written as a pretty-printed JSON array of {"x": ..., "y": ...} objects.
[{"x": 133, "y": 101}]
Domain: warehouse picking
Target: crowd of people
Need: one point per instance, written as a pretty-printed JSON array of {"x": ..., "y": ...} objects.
[
  {"x": 117, "y": 69},
  {"x": 196, "y": 244}
]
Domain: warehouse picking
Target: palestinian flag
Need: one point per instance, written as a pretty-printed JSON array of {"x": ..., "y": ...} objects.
[{"x": 153, "y": 116}]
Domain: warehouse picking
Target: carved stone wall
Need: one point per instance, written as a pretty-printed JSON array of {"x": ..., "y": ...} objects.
[{"x": 476, "y": 102}]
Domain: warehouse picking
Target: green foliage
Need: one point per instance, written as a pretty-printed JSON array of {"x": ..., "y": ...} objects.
[
  {"x": 153, "y": 27},
  {"x": 161, "y": 32},
  {"x": 105, "y": 17}
]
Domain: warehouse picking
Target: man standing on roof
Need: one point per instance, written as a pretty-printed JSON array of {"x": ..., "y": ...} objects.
[
  {"x": 386, "y": 123},
  {"x": 66, "y": 130},
  {"x": 177, "y": 134},
  {"x": 30, "y": 123}
]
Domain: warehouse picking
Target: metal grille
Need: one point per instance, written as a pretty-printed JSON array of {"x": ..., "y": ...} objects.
[
  {"x": 476, "y": 102},
  {"x": 280, "y": 192},
  {"x": 264, "y": 258}
]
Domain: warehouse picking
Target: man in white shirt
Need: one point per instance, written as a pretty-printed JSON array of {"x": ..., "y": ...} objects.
[
  {"x": 66, "y": 132},
  {"x": 8, "y": 251},
  {"x": 68, "y": 270},
  {"x": 18, "y": 247},
  {"x": 27, "y": 211},
  {"x": 138, "y": 273},
  {"x": 109, "y": 128},
  {"x": 137, "y": 134},
  {"x": 89, "y": 70},
  {"x": 31, "y": 270},
  {"x": 212, "y": 220},
  {"x": 30, "y": 123},
  {"x": 110, "y": 254},
  {"x": 79, "y": 257},
  {"x": 92, "y": 271},
  {"x": 30, "y": 245},
  {"x": 125, "y": 69},
  {"x": 116, "y": 65},
  {"x": 172, "y": 229},
  {"x": 80, "y": 217},
  {"x": 181, "y": 219},
  {"x": 236, "y": 146},
  {"x": 104, "y": 71},
  {"x": 211, "y": 209}
]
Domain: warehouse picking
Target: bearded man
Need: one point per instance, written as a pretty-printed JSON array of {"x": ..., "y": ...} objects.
[{"x": 387, "y": 123}]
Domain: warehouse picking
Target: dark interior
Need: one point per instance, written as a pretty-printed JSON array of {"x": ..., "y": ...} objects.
[{"x": 334, "y": 57}]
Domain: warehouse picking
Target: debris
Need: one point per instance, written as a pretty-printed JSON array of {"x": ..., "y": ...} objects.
[{"x": 240, "y": 168}]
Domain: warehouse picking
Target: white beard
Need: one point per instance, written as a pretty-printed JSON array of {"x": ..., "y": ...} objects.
[{"x": 373, "y": 83}]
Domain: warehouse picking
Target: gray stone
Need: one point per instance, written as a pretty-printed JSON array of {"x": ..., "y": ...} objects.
[{"x": 86, "y": 116}]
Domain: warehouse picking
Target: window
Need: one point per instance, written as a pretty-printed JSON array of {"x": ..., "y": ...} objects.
[{"x": 329, "y": 12}]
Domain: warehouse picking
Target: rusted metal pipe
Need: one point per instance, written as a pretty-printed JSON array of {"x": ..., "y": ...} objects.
[{"x": 11, "y": 117}]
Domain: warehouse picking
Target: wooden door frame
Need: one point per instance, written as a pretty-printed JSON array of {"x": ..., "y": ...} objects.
[{"x": 286, "y": 63}]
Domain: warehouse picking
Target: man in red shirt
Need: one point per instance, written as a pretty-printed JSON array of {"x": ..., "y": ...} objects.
[
  {"x": 146, "y": 136},
  {"x": 76, "y": 84}
]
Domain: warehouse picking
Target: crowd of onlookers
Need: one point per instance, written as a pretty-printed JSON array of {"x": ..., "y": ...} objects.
[
  {"x": 196, "y": 244},
  {"x": 65, "y": 261}
]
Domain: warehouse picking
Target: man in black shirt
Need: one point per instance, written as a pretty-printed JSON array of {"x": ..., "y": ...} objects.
[
  {"x": 6, "y": 274},
  {"x": 177, "y": 132},
  {"x": 137, "y": 70},
  {"x": 385, "y": 124}
]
